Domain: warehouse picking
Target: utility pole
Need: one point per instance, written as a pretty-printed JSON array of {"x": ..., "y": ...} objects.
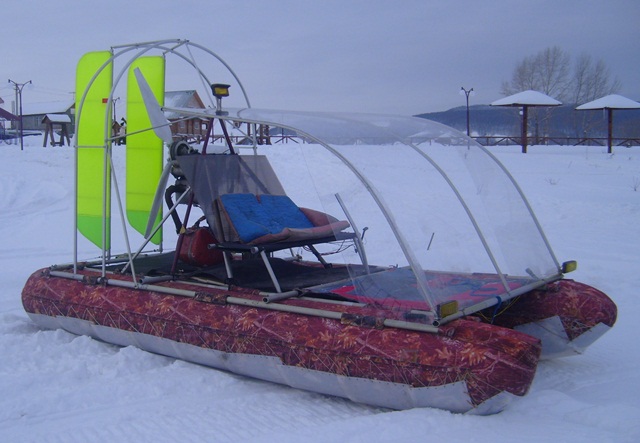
[
  {"x": 467, "y": 93},
  {"x": 18, "y": 87}
]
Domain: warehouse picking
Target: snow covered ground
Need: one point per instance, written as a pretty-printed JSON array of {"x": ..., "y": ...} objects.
[{"x": 57, "y": 387}]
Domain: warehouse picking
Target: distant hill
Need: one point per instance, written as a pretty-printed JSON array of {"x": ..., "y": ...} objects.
[{"x": 561, "y": 121}]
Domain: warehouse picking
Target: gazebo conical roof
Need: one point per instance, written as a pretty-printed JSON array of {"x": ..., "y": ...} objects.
[
  {"x": 613, "y": 101},
  {"x": 527, "y": 98}
]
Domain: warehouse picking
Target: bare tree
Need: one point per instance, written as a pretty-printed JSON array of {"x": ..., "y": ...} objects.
[
  {"x": 591, "y": 81},
  {"x": 547, "y": 72},
  {"x": 554, "y": 66}
]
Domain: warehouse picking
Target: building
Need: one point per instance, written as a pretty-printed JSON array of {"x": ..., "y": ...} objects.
[
  {"x": 193, "y": 129},
  {"x": 5, "y": 122},
  {"x": 33, "y": 114}
]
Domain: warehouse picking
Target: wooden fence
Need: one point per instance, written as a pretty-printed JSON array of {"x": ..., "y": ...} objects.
[
  {"x": 562, "y": 141},
  {"x": 483, "y": 140}
]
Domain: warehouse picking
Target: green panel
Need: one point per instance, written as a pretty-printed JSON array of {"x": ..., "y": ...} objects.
[
  {"x": 93, "y": 114},
  {"x": 144, "y": 150}
]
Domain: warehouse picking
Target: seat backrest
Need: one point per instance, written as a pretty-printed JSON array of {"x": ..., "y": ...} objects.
[{"x": 213, "y": 175}]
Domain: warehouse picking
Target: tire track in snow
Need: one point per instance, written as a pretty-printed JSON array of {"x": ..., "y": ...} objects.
[
  {"x": 125, "y": 394},
  {"x": 254, "y": 415}
]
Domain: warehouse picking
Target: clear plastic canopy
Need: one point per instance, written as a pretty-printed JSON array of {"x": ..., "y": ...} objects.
[{"x": 427, "y": 201}]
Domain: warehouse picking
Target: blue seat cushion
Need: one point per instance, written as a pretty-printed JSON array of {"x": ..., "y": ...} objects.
[
  {"x": 284, "y": 212},
  {"x": 253, "y": 218},
  {"x": 246, "y": 215}
]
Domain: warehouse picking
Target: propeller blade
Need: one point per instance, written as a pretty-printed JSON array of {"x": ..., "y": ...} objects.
[
  {"x": 157, "y": 117},
  {"x": 157, "y": 200}
]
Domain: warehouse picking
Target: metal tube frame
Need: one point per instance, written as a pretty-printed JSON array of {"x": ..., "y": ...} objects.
[{"x": 239, "y": 301}]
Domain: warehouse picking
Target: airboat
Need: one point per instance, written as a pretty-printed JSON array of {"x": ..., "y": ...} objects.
[{"x": 389, "y": 260}]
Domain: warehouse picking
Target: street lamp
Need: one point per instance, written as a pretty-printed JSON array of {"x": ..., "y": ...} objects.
[
  {"x": 18, "y": 87},
  {"x": 467, "y": 93}
]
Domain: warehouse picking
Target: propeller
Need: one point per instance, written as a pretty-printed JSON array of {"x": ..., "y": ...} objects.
[
  {"x": 159, "y": 122},
  {"x": 161, "y": 128},
  {"x": 157, "y": 199}
]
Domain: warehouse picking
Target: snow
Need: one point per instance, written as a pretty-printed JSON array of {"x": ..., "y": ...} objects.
[
  {"x": 613, "y": 101},
  {"x": 58, "y": 118},
  {"x": 59, "y": 387},
  {"x": 529, "y": 98}
]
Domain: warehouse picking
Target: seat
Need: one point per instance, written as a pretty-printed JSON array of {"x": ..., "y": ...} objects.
[
  {"x": 248, "y": 211},
  {"x": 254, "y": 220},
  {"x": 262, "y": 224}
]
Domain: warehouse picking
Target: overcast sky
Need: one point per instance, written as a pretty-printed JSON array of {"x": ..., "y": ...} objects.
[{"x": 397, "y": 56}]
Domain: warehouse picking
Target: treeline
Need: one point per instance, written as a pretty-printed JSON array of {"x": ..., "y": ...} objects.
[{"x": 553, "y": 72}]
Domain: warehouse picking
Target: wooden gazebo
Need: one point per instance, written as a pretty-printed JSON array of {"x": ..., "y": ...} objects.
[
  {"x": 610, "y": 103},
  {"x": 525, "y": 100}
]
